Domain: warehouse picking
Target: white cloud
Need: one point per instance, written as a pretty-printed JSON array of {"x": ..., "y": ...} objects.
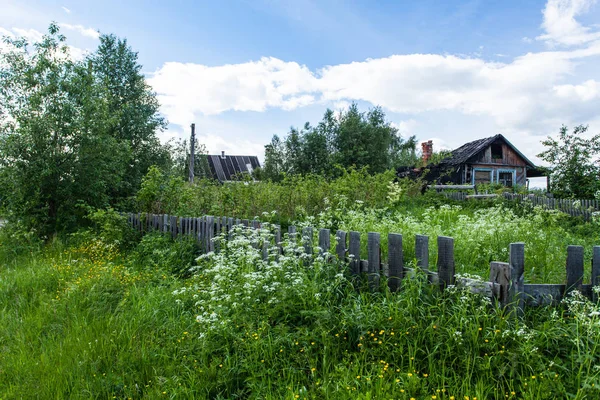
[
  {"x": 587, "y": 91},
  {"x": 561, "y": 26},
  {"x": 31, "y": 35},
  {"x": 185, "y": 89},
  {"x": 65, "y": 9},
  {"x": 513, "y": 94},
  {"x": 89, "y": 32},
  {"x": 405, "y": 127}
]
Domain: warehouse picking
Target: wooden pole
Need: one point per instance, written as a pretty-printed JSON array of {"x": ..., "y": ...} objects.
[{"x": 192, "y": 155}]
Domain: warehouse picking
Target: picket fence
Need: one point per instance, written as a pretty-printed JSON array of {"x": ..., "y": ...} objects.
[
  {"x": 506, "y": 282},
  {"x": 575, "y": 208}
]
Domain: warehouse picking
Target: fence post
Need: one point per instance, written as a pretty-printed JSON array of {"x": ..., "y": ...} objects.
[
  {"x": 340, "y": 247},
  {"x": 277, "y": 239},
  {"x": 292, "y": 233},
  {"x": 354, "y": 253},
  {"x": 422, "y": 252},
  {"x": 500, "y": 273},
  {"x": 374, "y": 257},
  {"x": 595, "y": 271},
  {"x": 324, "y": 241},
  {"x": 395, "y": 261},
  {"x": 516, "y": 294},
  {"x": 445, "y": 262},
  {"x": 574, "y": 268},
  {"x": 307, "y": 239}
]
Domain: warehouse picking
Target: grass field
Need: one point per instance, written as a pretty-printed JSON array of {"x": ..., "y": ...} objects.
[{"x": 93, "y": 319}]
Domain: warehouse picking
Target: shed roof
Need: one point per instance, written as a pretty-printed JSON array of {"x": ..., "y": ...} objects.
[
  {"x": 225, "y": 168},
  {"x": 468, "y": 150}
]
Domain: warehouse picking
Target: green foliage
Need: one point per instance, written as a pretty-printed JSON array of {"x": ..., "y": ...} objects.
[
  {"x": 350, "y": 139},
  {"x": 575, "y": 163},
  {"x": 72, "y": 133},
  {"x": 292, "y": 198},
  {"x": 88, "y": 319},
  {"x": 157, "y": 252}
]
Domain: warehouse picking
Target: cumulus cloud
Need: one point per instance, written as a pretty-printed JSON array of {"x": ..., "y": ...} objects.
[
  {"x": 511, "y": 93},
  {"x": 89, "y": 32},
  {"x": 185, "y": 89},
  {"x": 561, "y": 25},
  {"x": 587, "y": 91}
]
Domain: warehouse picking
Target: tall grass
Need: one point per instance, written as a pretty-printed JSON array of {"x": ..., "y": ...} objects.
[{"x": 87, "y": 320}]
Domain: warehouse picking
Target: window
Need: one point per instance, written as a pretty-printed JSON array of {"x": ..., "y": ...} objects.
[
  {"x": 497, "y": 151},
  {"x": 482, "y": 176},
  {"x": 505, "y": 178}
]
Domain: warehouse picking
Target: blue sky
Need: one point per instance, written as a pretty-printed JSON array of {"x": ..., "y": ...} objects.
[{"x": 451, "y": 71}]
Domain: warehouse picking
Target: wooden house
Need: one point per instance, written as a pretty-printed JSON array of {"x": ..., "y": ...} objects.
[
  {"x": 226, "y": 168},
  {"x": 489, "y": 160}
]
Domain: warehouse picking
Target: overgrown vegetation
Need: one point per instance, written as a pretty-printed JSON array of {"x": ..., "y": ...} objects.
[{"x": 85, "y": 319}]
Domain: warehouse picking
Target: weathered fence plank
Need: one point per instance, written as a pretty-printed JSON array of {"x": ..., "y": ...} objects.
[
  {"x": 340, "y": 247},
  {"x": 354, "y": 252},
  {"x": 500, "y": 273},
  {"x": 574, "y": 267},
  {"x": 596, "y": 270},
  {"x": 374, "y": 259},
  {"x": 395, "y": 261},
  {"x": 324, "y": 241},
  {"x": 307, "y": 239},
  {"x": 445, "y": 262},
  {"x": 516, "y": 291},
  {"x": 422, "y": 252}
]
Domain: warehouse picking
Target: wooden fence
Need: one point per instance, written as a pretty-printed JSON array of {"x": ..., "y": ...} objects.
[
  {"x": 575, "y": 208},
  {"x": 506, "y": 282}
]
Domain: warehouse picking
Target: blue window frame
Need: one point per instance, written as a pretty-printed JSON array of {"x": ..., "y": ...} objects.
[
  {"x": 507, "y": 177},
  {"x": 477, "y": 178}
]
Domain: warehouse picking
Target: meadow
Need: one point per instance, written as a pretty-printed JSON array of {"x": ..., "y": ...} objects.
[{"x": 105, "y": 313}]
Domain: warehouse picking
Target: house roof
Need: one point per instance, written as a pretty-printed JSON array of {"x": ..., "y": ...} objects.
[
  {"x": 462, "y": 154},
  {"x": 225, "y": 168}
]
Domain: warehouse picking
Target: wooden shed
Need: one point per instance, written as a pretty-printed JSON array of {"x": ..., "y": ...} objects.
[{"x": 489, "y": 160}]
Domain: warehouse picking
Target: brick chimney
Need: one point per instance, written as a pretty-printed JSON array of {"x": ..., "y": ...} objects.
[{"x": 427, "y": 151}]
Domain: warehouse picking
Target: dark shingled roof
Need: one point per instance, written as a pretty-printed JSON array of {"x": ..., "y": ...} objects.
[
  {"x": 225, "y": 168},
  {"x": 471, "y": 149}
]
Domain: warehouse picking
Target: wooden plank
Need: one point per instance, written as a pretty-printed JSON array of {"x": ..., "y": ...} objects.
[
  {"x": 292, "y": 234},
  {"x": 445, "y": 262},
  {"x": 210, "y": 223},
  {"x": 246, "y": 222},
  {"x": 374, "y": 259},
  {"x": 549, "y": 294},
  {"x": 596, "y": 270},
  {"x": 422, "y": 252},
  {"x": 481, "y": 196},
  {"x": 277, "y": 238},
  {"x": 231, "y": 223},
  {"x": 324, "y": 241},
  {"x": 574, "y": 267},
  {"x": 340, "y": 247},
  {"x": 395, "y": 261},
  {"x": 199, "y": 232},
  {"x": 307, "y": 239},
  {"x": 516, "y": 294},
  {"x": 354, "y": 252},
  {"x": 500, "y": 273},
  {"x": 458, "y": 187}
]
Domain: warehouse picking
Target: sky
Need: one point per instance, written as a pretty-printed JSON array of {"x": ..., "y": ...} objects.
[{"x": 449, "y": 71}]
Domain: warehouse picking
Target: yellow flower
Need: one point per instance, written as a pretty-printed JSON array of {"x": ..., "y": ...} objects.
[
  {"x": 409, "y": 374},
  {"x": 434, "y": 397}
]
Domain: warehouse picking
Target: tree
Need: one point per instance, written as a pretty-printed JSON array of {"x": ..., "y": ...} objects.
[
  {"x": 575, "y": 171},
  {"x": 351, "y": 138},
  {"x": 70, "y": 135},
  {"x": 133, "y": 109}
]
